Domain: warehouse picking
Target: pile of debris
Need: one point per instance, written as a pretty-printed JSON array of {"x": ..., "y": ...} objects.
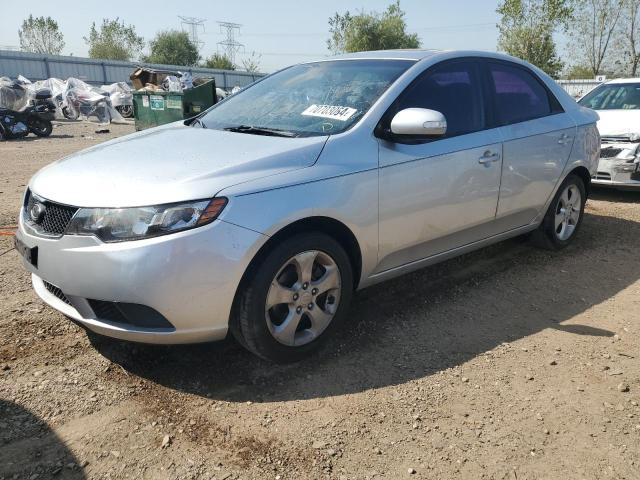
[
  {"x": 73, "y": 98},
  {"x": 153, "y": 80}
]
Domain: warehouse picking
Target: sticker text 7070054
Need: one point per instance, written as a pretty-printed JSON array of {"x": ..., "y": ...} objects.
[{"x": 334, "y": 112}]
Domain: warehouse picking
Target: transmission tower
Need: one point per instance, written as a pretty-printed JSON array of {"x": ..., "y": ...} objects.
[
  {"x": 230, "y": 45},
  {"x": 193, "y": 24}
]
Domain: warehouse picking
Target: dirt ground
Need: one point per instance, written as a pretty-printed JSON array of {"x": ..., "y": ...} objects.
[{"x": 508, "y": 363}]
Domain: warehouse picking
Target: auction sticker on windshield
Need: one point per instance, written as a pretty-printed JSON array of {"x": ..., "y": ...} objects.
[{"x": 334, "y": 112}]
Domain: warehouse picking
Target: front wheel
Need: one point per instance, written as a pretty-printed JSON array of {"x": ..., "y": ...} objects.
[
  {"x": 294, "y": 298},
  {"x": 564, "y": 217},
  {"x": 41, "y": 127}
]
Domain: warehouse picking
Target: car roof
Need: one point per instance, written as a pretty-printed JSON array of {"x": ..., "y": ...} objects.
[
  {"x": 623, "y": 80},
  {"x": 417, "y": 55},
  {"x": 407, "y": 54}
]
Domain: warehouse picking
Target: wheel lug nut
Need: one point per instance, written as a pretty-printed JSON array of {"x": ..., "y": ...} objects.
[
  {"x": 310, "y": 306},
  {"x": 298, "y": 310},
  {"x": 314, "y": 291},
  {"x": 305, "y": 285},
  {"x": 295, "y": 296}
]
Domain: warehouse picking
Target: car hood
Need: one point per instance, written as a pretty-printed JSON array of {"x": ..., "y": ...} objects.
[
  {"x": 169, "y": 164},
  {"x": 618, "y": 122}
]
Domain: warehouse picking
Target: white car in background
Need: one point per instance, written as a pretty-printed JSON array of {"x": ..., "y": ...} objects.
[{"x": 618, "y": 104}]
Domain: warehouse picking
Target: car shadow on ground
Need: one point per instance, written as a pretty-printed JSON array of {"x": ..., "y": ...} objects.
[
  {"x": 419, "y": 324},
  {"x": 34, "y": 451}
]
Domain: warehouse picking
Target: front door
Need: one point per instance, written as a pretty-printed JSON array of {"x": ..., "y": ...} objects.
[{"x": 440, "y": 194}]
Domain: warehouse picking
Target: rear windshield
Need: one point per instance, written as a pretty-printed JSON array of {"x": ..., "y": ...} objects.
[
  {"x": 311, "y": 99},
  {"x": 622, "y": 96}
]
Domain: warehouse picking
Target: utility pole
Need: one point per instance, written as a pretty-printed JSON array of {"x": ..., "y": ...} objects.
[
  {"x": 193, "y": 25},
  {"x": 230, "y": 44}
]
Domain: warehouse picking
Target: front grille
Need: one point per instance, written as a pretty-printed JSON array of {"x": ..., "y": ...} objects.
[
  {"x": 603, "y": 176},
  {"x": 55, "y": 291},
  {"x": 55, "y": 219},
  {"x": 609, "y": 152}
]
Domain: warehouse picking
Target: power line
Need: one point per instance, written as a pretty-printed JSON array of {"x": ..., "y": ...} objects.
[
  {"x": 293, "y": 54},
  {"x": 230, "y": 45},
  {"x": 422, "y": 29},
  {"x": 193, "y": 24}
]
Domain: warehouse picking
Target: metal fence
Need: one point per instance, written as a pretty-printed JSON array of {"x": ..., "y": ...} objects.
[
  {"x": 578, "y": 88},
  {"x": 36, "y": 66}
]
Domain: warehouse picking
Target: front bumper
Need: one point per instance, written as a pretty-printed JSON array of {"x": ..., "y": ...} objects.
[
  {"x": 190, "y": 278},
  {"x": 615, "y": 172}
]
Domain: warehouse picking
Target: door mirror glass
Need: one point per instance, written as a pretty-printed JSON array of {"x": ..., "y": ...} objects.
[{"x": 419, "y": 122}]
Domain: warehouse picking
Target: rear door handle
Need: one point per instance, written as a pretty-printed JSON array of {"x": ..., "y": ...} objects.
[
  {"x": 489, "y": 157},
  {"x": 564, "y": 139}
]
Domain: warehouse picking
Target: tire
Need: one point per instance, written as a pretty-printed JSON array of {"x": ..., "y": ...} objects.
[
  {"x": 69, "y": 114},
  {"x": 125, "y": 110},
  {"x": 313, "y": 309},
  {"x": 41, "y": 127},
  {"x": 549, "y": 234}
]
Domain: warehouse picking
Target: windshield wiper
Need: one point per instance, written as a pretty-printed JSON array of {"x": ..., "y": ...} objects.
[{"x": 274, "y": 132}]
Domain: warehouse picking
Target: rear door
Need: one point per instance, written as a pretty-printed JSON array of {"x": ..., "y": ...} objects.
[
  {"x": 440, "y": 194},
  {"x": 538, "y": 137}
]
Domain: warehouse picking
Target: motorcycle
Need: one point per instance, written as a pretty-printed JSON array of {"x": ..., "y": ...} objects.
[
  {"x": 35, "y": 118},
  {"x": 82, "y": 99},
  {"x": 121, "y": 98}
]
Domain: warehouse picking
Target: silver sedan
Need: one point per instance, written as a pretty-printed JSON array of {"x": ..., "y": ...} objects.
[{"x": 263, "y": 215}]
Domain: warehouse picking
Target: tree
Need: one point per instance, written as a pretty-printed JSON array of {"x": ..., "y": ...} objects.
[
  {"x": 41, "y": 35},
  {"x": 628, "y": 41},
  {"x": 527, "y": 28},
  {"x": 252, "y": 63},
  {"x": 173, "y": 47},
  {"x": 114, "y": 41},
  {"x": 220, "y": 61},
  {"x": 593, "y": 28},
  {"x": 579, "y": 72},
  {"x": 370, "y": 31}
]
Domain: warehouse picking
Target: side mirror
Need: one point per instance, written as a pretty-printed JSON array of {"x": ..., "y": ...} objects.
[{"x": 419, "y": 122}]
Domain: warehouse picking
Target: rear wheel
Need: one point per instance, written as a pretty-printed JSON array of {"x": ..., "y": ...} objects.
[
  {"x": 41, "y": 127},
  {"x": 564, "y": 217},
  {"x": 294, "y": 299},
  {"x": 125, "y": 110}
]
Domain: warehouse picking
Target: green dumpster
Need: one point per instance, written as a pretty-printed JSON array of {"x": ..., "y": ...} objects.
[{"x": 151, "y": 108}]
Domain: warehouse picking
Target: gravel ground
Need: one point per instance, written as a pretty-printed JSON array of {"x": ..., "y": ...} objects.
[{"x": 507, "y": 363}]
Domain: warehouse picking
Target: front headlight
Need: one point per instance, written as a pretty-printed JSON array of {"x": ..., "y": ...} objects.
[{"x": 136, "y": 223}]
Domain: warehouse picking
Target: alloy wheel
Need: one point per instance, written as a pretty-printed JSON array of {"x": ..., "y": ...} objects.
[
  {"x": 303, "y": 298},
  {"x": 568, "y": 211}
]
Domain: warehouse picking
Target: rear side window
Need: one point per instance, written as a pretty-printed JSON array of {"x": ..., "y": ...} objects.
[
  {"x": 453, "y": 89},
  {"x": 519, "y": 95}
]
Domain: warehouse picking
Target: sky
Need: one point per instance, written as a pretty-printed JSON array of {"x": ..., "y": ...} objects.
[{"x": 282, "y": 31}]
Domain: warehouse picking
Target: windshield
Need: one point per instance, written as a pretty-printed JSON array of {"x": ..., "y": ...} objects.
[
  {"x": 621, "y": 96},
  {"x": 312, "y": 99}
]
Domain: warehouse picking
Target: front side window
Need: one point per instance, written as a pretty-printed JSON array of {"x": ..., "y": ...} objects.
[
  {"x": 320, "y": 98},
  {"x": 453, "y": 89},
  {"x": 519, "y": 96},
  {"x": 624, "y": 96}
]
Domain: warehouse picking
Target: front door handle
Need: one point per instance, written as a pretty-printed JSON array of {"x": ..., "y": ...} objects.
[{"x": 489, "y": 157}]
